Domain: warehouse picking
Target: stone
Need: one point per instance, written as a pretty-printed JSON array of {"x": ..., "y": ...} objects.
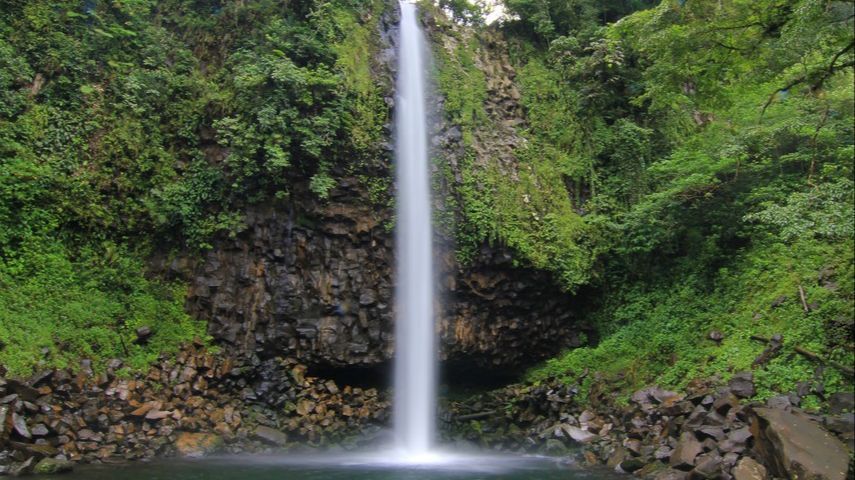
[
  {"x": 144, "y": 334},
  {"x": 555, "y": 447},
  {"x": 198, "y": 444},
  {"x": 631, "y": 464},
  {"x": 157, "y": 414},
  {"x": 143, "y": 409},
  {"x": 749, "y": 469},
  {"x": 40, "y": 378},
  {"x": 683, "y": 456},
  {"x": 707, "y": 466},
  {"x": 22, "y": 390},
  {"x": 650, "y": 470},
  {"x": 270, "y": 435},
  {"x": 794, "y": 447},
  {"x": 5, "y": 424},
  {"x": 841, "y": 402},
  {"x": 617, "y": 457},
  {"x": 590, "y": 458},
  {"x": 367, "y": 297},
  {"x": 633, "y": 445},
  {"x": 38, "y": 450},
  {"x": 725, "y": 401},
  {"x": 22, "y": 468},
  {"x": 730, "y": 459},
  {"x": 51, "y": 466},
  {"x": 662, "y": 453},
  {"x": 671, "y": 474},
  {"x": 779, "y": 401},
  {"x": 713, "y": 432},
  {"x": 19, "y": 424},
  {"x": 742, "y": 385},
  {"x": 842, "y": 423},
  {"x": 739, "y": 436},
  {"x": 578, "y": 435}
]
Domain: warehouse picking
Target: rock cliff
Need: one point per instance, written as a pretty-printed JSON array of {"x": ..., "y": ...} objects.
[{"x": 313, "y": 279}]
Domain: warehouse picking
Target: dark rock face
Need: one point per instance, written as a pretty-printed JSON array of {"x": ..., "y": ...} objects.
[
  {"x": 311, "y": 280},
  {"x": 314, "y": 281},
  {"x": 496, "y": 314}
]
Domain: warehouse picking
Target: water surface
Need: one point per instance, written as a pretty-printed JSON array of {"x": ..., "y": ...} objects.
[{"x": 332, "y": 467}]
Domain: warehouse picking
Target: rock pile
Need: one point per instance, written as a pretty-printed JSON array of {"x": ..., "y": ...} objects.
[
  {"x": 704, "y": 433},
  {"x": 194, "y": 404}
]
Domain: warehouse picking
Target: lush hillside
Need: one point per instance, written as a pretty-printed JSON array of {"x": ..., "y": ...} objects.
[
  {"x": 688, "y": 168},
  {"x": 679, "y": 167},
  {"x": 128, "y": 128}
]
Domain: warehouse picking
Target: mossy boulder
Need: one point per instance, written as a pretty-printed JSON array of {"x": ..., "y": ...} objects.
[{"x": 50, "y": 466}]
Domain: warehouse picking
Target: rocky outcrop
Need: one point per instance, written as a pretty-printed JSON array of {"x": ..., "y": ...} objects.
[
  {"x": 496, "y": 314},
  {"x": 306, "y": 279},
  {"x": 314, "y": 281}
]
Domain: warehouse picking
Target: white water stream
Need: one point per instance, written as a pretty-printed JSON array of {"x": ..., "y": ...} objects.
[{"x": 414, "y": 414}]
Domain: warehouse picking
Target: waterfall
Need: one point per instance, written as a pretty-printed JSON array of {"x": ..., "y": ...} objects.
[{"x": 415, "y": 343}]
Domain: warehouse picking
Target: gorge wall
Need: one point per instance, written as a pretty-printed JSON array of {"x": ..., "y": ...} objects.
[{"x": 313, "y": 279}]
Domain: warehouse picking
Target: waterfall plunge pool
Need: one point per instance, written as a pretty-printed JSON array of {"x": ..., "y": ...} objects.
[{"x": 334, "y": 466}]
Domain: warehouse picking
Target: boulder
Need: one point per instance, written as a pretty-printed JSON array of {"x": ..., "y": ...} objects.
[
  {"x": 631, "y": 465},
  {"x": 843, "y": 423},
  {"x": 50, "y": 466},
  {"x": 144, "y": 334},
  {"x": 683, "y": 456},
  {"x": 577, "y": 434},
  {"x": 794, "y": 447},
  {"x": 197, "y": 444},
  {"x": 19, "y": 424},
  {"x": 749, "y": 469},
  {"x": 270, "y": 435},
  {"x": 671, "y": 474},
  {"x": 841, "y": 402},
  {"x": 725, "y": 401},
  {"x": 742, "y": 385},
  {"x": 617, "y": 457},
  {"x": 662, "y": 453},
  {"x": 555, "y": 447},
  {"x": 22, "y": 389},
  {"x": 707, "y": 466}
]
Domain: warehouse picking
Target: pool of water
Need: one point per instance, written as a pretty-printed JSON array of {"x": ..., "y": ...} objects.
[{"x": 344, "y": 467}]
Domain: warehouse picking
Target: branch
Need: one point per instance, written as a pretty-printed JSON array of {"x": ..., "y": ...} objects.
[
  {"x": 735, "y": 49},
  {"x": 804, "y": 299},
  {"x": 475, "y": 416},
  {"x": 831, "y": 70},
  {"x": 735, "y": 27},
  {"x": 813, "y": 356},
  {"x": 825, "y": 361},
  {"x": 838, "y": 55}
]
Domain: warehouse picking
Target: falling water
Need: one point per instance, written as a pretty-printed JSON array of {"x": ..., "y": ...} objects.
[{"x": 415, "y": 357}]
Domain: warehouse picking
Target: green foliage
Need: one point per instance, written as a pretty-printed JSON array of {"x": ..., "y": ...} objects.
[
  {"x": 656, "y": 331},
  {"x": 544, "y": 20},
  {"x": 467, "y": 209},
  {"x": 139, "y": 126},
  {"x": 706, "y": 154},
  {"x": 55, "y": 310}
]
